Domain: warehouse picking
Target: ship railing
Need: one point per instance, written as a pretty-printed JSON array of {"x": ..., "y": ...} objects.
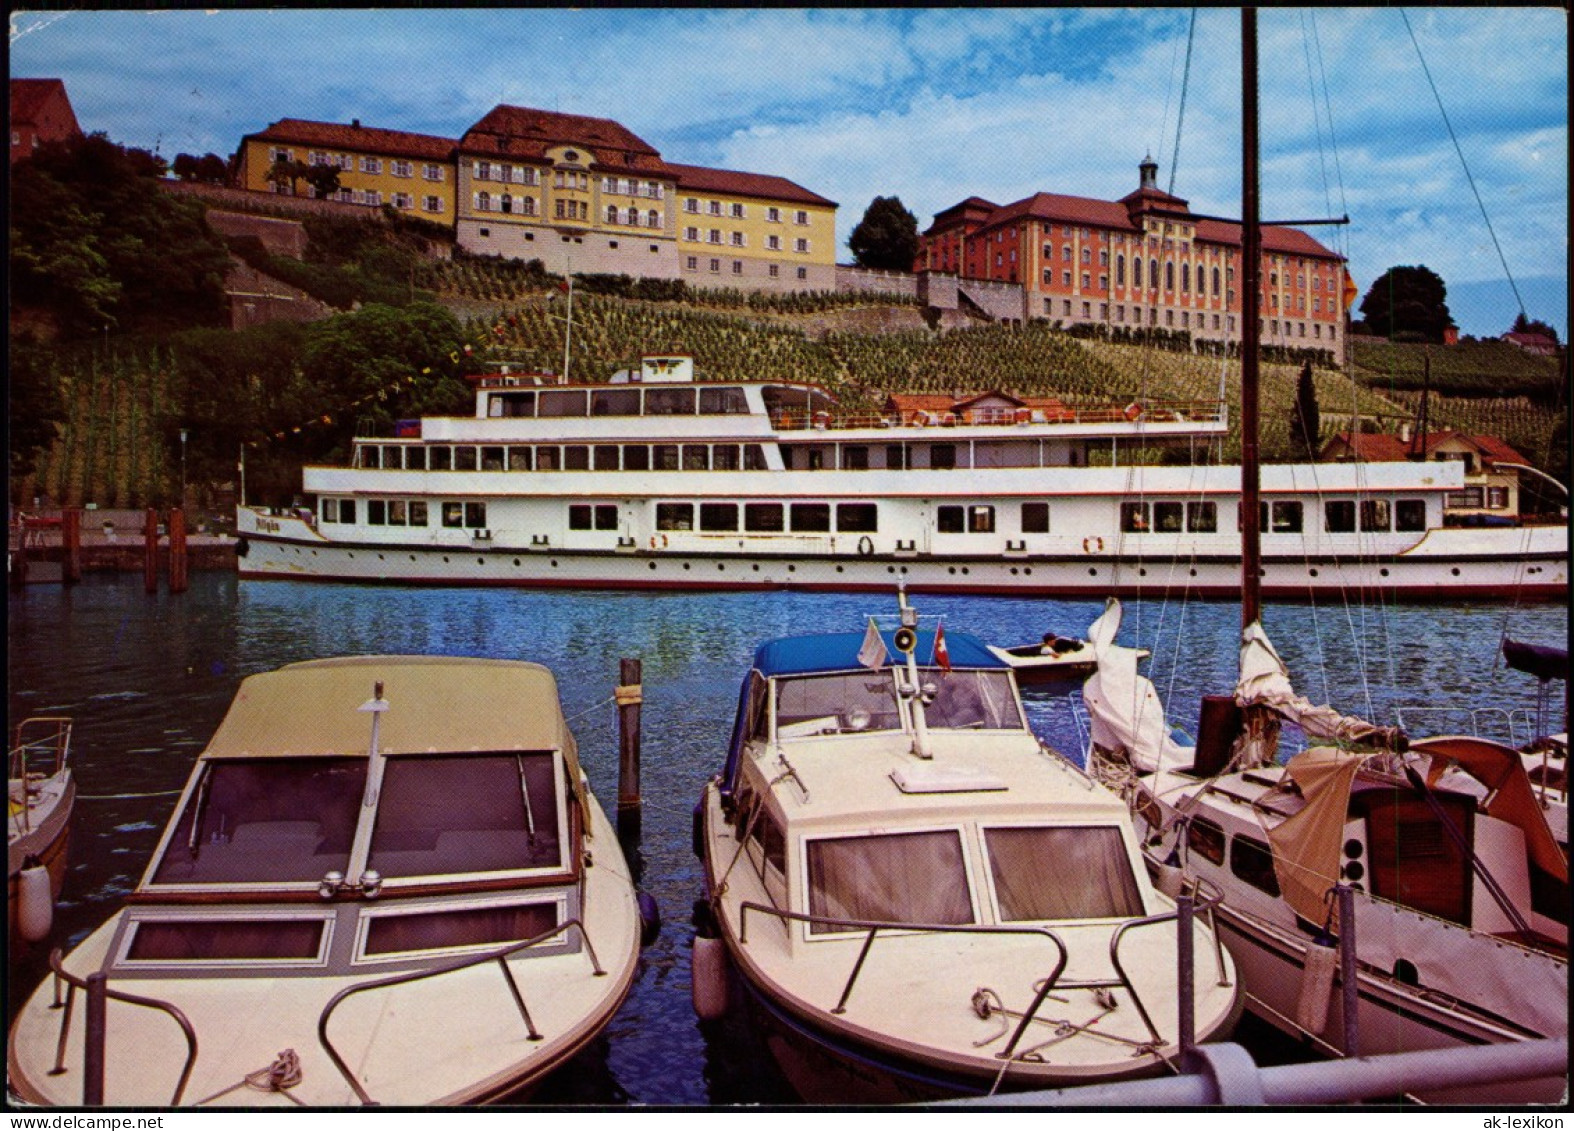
[
  {"x": 42, "y": 746},
  {"x": 1512, "y": 726},
  {"x": 96, "y": 988},
  {"x": 1145, "y": 411},
  {"x": 500, "y": 955},
  {"x": 1182, "y": 914}
]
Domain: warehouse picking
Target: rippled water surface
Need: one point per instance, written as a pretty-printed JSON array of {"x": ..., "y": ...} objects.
[{"x": 147, "y": 679}]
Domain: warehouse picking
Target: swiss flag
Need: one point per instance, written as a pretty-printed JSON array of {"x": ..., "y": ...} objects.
[{"x": 942, "y": 655}]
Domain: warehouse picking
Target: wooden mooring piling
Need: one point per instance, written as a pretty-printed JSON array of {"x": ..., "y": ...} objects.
[
  {"x": 629, "y": 695},
  {"x": 52, "y": 548}
]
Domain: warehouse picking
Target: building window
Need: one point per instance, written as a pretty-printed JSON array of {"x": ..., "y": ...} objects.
[
  {"x": 691, "y": 205},
  {"x": 483, "y": 202},
  {"x": 803, "y": 273},
  {"x": 691, "y": 234},
  {"x": 1136, "y": 272},
  {"x": 715, "y": 208},
  {"x": 774, "y": 270},
  {"x": 737, "y": 239},
  {"x": 774, "y": 215},
  {"x": 737, "y": 266},
  {"x": 715, "y": 266},
  {"x": 1497, "y": 498},
  {"x": 435, "y": 172},
  {"x": 402, "y": 169},
  {"x": 693, "y": 263},
  {"x": 800, "y": 217},
  {"x": 432, "y": 203},
  {"x": 800, "y": 245}
]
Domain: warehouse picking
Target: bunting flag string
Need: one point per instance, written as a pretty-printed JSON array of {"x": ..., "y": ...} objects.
[{"x": 381, "y": 394}]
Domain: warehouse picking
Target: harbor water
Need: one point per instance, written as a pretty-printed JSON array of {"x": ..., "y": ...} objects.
[{"x": 148, "y": 677}]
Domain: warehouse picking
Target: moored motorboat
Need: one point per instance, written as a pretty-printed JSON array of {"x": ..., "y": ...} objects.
[
  {"x": 387, "y": 881},
  {"x": 40, "y": 795},
  {"x": 920, "y": 898},
  {"x": 1057, "y": 660}
]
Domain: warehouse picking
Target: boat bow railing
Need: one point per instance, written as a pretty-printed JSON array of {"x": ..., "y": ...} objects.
[
  {"x": 42, "y": 745},
  {"x": 501, "y": 956},
  {"x": 96, "y": 987}
]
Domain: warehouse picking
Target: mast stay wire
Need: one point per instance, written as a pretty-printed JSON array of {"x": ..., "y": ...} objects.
[{"x": 1180, "y": 113}]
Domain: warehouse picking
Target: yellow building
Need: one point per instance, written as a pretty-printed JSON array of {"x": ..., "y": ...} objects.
[
  {"x": 752, "y": 231},
  {"x": 414, "y": 173}
]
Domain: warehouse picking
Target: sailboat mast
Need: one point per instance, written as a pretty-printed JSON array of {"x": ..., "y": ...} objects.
[{"x": 1251, "y": 329}]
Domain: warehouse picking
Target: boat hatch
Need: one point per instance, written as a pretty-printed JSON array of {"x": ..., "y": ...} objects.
[
  {"x": 395, "y": 931},
  {"x": 945, "y": 779},
  {"x": 182, "y": 940}
]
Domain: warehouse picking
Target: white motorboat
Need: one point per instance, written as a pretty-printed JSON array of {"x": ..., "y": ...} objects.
[
  {"x": 1056, "y": 660},
  {"x": 921, "y": 898},
  {"x": 387, "y": 881},
  {"x": 40, "y": 794}
]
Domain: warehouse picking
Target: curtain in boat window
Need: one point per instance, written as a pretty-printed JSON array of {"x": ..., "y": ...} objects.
[
  {"x": 1065, "y": 872},
  {"x": 897, "y": 878}
]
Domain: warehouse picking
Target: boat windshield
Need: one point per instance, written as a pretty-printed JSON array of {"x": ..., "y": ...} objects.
[
  {"x": 466, "y": 813},
  {"x": 831, "y": 704},
  {"x": 271, "y": 821},
  {"x": 871, "y": 878},
  {"x": 978, "y": 700},
  {"x": 1062, "y": 872}
]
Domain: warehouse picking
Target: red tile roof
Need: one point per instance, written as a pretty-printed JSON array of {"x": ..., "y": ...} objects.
[
  {"x": 29, "y": 96},
  {"x": 701, "y": 179},
  {"x": 357, "y": 138},
  {"x": 1383, "y": 447},
  {"x": 522, "y": 132}
]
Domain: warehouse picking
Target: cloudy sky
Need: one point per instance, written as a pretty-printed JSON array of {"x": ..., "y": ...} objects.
[{"x": 929, "y": 105}]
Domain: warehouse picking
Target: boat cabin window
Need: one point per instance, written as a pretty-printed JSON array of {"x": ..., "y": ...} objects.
[
  {"x": 1167, "y": 518},
  {"x": 465, "y": 813},
  {"x": 441, "y": 458},
  {"x": 942, "y": 456},
  {"x": 614, "y": 402},
  {"x": 1202, "y": 518},
  {"x": 549, "y": 458},
  {"x": 453, "y": 514},
  {"x": 562, "y": 402},
  {"x": 696, "y": 457},
  {"x": 767, "y": 846},
  {"x": 664, "y": 457},
  {"x": 233, "y": 940},
  {"x": 1281, "y": 517},
  {"x": 477, "y": 927},
  {"x": 1374, "y": 514},
  {"x": 1339, "y": 516},
  {"x": 492, "y": 459},
  {"x": 719, "y": 516},
  {"x": 338, "y": 510},
  {"x": 519, "y": 459},
  {"x": 1252, "y": 861},
  {"x": 724, "y": 401},
  {"x": 266, "y": 821},
  {"x": 576, "y": 457},
  {"x": 724, "y": 457},
  {"x": 1035, "y": 518},
  {"x": 669, "y": 402},
  {"x": 763, "y": 518},
  {"x": 512, "y": 404},
  {"x": 606, "y": 457},
  {"x": 857, "y": 518},
  {"x": 464, "y": 459},
  {"x": 753, "y": 457},
  {"x": 393, "y": 456},
  {"x": 371, "y": 456},
  {"x": 636, "y": 457},
  {"x": 674, "y": 516},
  {"x": 811, "y": 518},
  {"x": 978, "y": 700},
  {"x": 601, "y": 516},
  {"x": 1206, "y": 839},
  {"x": 871, "y": 878},
  {"x": 1072, "y": 872},
  {"x": 1410, "y": 515},
  {"x": 1134, "y": 518},
  {"x": 415, "y": 458},
  {"x": 846, "y": 701}
]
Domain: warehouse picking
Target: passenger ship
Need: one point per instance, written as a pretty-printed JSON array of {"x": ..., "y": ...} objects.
[{"x": 656, "y": 480}]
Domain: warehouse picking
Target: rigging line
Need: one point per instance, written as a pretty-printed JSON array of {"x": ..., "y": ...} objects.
[
  {"x": 1333, "y": 142},
  {"x": 1180, "y": 113},
  {"x": 1457, "y": 149},
  {"x": 1317, "y": 126},
  {"x": 1164, "y": 125}
]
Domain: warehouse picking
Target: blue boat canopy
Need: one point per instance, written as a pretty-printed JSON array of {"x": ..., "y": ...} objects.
[{"x": 838, "y": 652}]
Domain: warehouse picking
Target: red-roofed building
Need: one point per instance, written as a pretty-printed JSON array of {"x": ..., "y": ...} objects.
[
  {"x": 1144, "y": 260},
  {"x": 589, "y": 195},
  {"x": 40, "y": 112},
  {"x": 1490, "y": 489},
  {"x": 1538, "y": 344},
  {"x": 412, "y": 172}
]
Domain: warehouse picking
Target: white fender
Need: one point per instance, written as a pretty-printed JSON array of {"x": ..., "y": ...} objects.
[
  {"x": 708, "y": 978},
  {"x": 1169, "y": 879},
  {"x": 1317, "y": 983},
  {"x": 35, "y": 912}
]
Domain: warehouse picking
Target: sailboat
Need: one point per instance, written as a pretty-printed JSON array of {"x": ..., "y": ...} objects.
[{"x": 1425, "y": 866}]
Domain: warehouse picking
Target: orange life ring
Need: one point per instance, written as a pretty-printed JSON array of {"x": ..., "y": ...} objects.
[
  {"x": 1093, "y": 544},
  {"x": 1133, "y": 411}
]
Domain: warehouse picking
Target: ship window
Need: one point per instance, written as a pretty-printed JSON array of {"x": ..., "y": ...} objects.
[
  {"x": 696, "y": 457},
  {"x": 942, "y": 456},
  {"x": 466, "y": 813},
  {"x": 442, "y": 458},
  {"x": 971, "y": 699},
  {"x": 397, "y": 512},
  {"x": 453, "y": 514},
  {"x": 1251, "y": 860},
  {"x": 1283, "y": 517},
  {"x": 371, "y": 456},
  {"x": 491, "y": 459},
  {"x": 330, "y": 510},
  {"x": 479, "y": 926},
  {"x": 850, "y": 701},
  {"x": 811, "y": 518},
  {"x": 393, "y": 457},
  {"x": 475, "y": 515},
  {"x": 753, "y": 457},
  {"x": 896, "y": 457},
  {"x": 980, "y": 520},
  {"x": 855, "y": 457},
  {"x": 1134, "y": 518},
  {"x": 518, "y": 459},
  {"x": 514, "y": 404},
  {"x": 415, "y": 458},
  {"x": 579, "y": 516},
  {"x": 636, "y": 457},
  {"x": 766, "y": 832},
  {"x": 606, "y": 457},
  {"x": 665, "y": 457},
  {"x": 576, "y": 457},
  {"x": 1202, "y": 518},
  {"x": 1101, "y": 886},
  {"x": 1035, "y": 518},
  {"x": 724, "y": 457},
  {"x": 727, "y": 401},
  {"x": 816, "y": 459},
  {"x": 1167, "y": 517},
  {"x": 1374, "y": 514},
  {"x": 418, "y": 512},
  {"x": 762, "y": 518},
  {"x": 464, "y": 459},
  {"x": 614, "y": 402},
  {"x": 674, "y": 516},
  {"x": 219, "y": 940},
  {"x": 1410, "y": 514},
  {"x": 718, "y": 516},
  {"x": 548, "y": 458},
  {"x": 857, "y": 518},
  {"x": 1206, "y": 839},
  {"x": 561, "y": 402},
  {"x": 376, "y": 513},
  {"x": 669, "y": 402},
  {"x": 283, "y": 820},
  {"x": 869, "y": 878},
  {"x": 1339, "y": 516},
  {"x": 949, "y": 520}
]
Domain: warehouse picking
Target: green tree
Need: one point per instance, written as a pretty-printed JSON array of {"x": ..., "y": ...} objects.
[
  {"x": 887, "y": 237},
  {"x": 324, "y": 179},
  {"x": 1407, "y": 304},
  {"x": 1305, "y": 420},
  {"x": 35, "y": 408}
]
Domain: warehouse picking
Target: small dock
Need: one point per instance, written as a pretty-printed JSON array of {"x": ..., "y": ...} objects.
[{"x": 57, "y": 546}]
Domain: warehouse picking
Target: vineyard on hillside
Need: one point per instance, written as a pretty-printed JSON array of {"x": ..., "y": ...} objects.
[{"x": 1470, "y": 369}]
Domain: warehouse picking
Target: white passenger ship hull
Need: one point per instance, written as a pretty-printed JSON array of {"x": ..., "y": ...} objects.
[{"x": 1447, "y": 564}]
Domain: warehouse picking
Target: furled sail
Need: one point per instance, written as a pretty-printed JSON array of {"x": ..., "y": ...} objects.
[
  {"x": 1265, "y": 682},
  {"x": 1124, "y": 708}
]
